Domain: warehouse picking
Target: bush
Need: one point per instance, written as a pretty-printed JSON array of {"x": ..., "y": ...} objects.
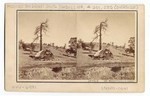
[{"x": 73, "y": 73}]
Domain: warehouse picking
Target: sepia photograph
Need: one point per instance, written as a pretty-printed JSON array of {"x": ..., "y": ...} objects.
[{"x": 77, "y": 45}]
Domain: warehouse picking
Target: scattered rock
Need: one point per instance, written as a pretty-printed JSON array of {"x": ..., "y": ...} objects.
[
  {"x": 57, "y": 69},
  {"x": 115, "y": 69}
]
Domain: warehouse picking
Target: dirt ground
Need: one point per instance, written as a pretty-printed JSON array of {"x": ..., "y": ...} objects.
[{"x": 81, "y": 68}]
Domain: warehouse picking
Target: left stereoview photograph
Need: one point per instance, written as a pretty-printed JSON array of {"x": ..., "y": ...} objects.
[{"x": 47, "y": 43}]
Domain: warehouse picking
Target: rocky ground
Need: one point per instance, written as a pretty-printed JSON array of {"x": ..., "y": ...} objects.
[{"x": 73, "y": 73}]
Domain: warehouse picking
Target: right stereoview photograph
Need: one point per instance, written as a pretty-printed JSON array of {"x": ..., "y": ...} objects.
[{"x": 107, "y": 46}]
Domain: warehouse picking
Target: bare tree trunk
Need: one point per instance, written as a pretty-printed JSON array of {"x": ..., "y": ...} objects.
[
  {"x": 100, "y": 39},
  {"x": 41, "y": 37}
]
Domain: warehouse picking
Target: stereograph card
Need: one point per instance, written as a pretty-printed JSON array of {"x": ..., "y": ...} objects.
[{"x": 74, "y": 47}]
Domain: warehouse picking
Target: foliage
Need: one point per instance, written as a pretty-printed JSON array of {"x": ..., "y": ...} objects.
[
  {"x": 132, "y": 42},
  {"x": 73, "y": 46},
  {"x": 73, "y": 73}
]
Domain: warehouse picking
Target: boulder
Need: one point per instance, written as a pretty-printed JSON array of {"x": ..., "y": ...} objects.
[
  {"x": 43, "y": 55},
  {"x": 104, "y": 54}
]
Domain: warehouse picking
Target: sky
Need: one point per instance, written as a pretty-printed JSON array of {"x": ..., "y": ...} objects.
[{"x": 81, "y": 24}]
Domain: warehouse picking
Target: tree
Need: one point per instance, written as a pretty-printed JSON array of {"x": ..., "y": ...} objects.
[
  {"x": 80, "y": 44},
  {"x": 20, "y": 44},
  {"x": 73, "y": 43},
  {"x": 132, "y": 45},
  {"x": 98, "y": 31},
  {"x": 132, "y": 42},
  {"x": 64, "y": 46},
  {"x": 73, "y": 46},
  {"x": 42, "y": 28}
]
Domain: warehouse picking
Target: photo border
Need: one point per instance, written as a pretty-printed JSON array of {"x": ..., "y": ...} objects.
[{"x": 26, "y": 81}]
